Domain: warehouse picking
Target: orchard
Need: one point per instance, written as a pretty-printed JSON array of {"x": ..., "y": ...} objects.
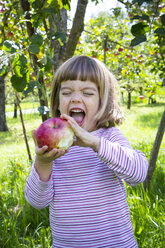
[{"x": 37, "y": 36}]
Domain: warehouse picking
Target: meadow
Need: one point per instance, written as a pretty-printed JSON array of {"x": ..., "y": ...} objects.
[{"x": 23, "y": 226}]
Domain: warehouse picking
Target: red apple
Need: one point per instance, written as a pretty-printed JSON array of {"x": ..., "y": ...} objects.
[
  {"x": 94, "y": 56},
  {"x": 160, "y": 7},
  {"x": 116, "y": 54},
  {"x": 129, "y": 56},
  {"x": 120, "y": 49},
  {"x": 141, "y": 97},
  {"x": 131, "y": 15},
  {"x": 48, "y": 85},
  {"x": 3, "y": 10},
  {"x": 10, "y": 34},
  {"x": 55, "y": 133},
  {"x": 107, "y": 49}
]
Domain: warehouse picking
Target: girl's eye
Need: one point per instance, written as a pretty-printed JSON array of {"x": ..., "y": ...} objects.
[
  {"x": 88, "y": 93},
  {"x": 66, "y": 93}
]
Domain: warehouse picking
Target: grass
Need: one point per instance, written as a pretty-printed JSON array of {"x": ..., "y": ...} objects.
[{"x": 23, "y": 226}]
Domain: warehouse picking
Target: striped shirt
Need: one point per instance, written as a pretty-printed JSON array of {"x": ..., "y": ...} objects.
[{"x": 86, "y": 193}]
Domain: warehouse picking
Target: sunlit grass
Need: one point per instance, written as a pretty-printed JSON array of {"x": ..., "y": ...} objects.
[{"x": 23, "y": 226}]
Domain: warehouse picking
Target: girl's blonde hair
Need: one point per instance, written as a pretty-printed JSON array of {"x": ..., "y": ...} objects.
[{"x": 89, "y": 69}]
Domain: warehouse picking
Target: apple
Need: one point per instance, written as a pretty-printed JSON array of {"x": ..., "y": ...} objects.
[
  {"x": 94, "y": 56},
  {"x": 55, "y": 133},
  {"x": 141, "y": 97},
  {"x": 107, "y": 49},
  {"x": 129, "y": 56},
  {"x": 140, "y": 61},
  {"x": 120, "y": 49},
  {"x": 116, "y": 54},
  {"x": 48, "y": 85},
  {"x": 131, "y": 15},
  {"x": 160, "y": 7},
  {"x": 3, "y": 10},
  {"x": 10, "y": 34}
]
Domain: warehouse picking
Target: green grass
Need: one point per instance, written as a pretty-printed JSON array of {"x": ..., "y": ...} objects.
[
  {"x": 23, "y": 226},
  {"x": 27, "y": 103}
]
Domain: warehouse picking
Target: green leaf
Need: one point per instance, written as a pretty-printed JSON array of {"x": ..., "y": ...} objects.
[
  {"x": 141, "y": 17},
  {"x": 162, "y": 18},
  {"x": 43, "y": 110},
  {"x": 23, "y": 60},
  {"x": 140, "y": 2},
  {"x": 30, "y": 87},
  {"x": 56, "y": 36},
  {"x": 138, "y": 39},
  {"x": 48, "y": 65},
  {"x": 140, "y": 28},
  {"x": 50, "y": 11},
  {"x": 34, "y": 48},
  {"x": 37, "y": 4},
  {"x": 20, "y": 65},
  {"x": 18, "y": 83},
  {"x": 3, "y": 69},
  {"x": 160, "y": 31},
  {"x": 36, "y": 39},
  {"x": 10, "y": 46}
]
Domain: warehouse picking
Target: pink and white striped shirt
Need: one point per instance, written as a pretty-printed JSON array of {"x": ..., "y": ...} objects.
[{"x": 86, "y": 193}]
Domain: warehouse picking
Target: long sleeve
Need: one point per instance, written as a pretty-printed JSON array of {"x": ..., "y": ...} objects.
[
  {"x": 130, "y": 165},
  {"x": 38, "y": 193}
]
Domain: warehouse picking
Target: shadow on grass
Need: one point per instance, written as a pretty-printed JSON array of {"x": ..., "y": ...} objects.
[
  {"x": 154, "y": 105},
  {"x": 151, "y": 120}
]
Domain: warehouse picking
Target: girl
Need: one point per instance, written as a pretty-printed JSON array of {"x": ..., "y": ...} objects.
[{"x": 84, "y": 186}]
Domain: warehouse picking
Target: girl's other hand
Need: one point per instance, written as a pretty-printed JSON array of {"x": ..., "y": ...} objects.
[{"x": 83, "y": 137}]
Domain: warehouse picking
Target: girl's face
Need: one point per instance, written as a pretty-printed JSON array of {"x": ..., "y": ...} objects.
[{"x": 80, "y": 100}]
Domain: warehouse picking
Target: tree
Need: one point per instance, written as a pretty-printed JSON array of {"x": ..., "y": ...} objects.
[
  {"x": 34, "y": 36},
  {"x": 3, "y": 124},
  {"x": 108, "y": 38},
  {"x": 151, "y": 26},
  {"x": 34, "y": 42}
]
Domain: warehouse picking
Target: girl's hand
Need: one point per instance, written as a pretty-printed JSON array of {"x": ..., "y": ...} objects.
[
  {"x": 83, "y": 137},
  {"x": 44, "y": 156},
  {"x": 44, "y": 159}
]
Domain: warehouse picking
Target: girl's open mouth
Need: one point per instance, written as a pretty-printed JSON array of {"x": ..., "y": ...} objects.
[{"x": 78, "y": 115}]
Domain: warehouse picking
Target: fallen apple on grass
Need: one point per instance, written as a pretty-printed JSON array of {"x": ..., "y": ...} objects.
[{"x": 55, "y": 133}]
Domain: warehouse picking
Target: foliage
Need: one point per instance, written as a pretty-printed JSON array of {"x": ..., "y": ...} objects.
[
  {"x": 108, "y": 38},
  {"x": 148, "y": 24},
  {"x": 25, "y": 43}
]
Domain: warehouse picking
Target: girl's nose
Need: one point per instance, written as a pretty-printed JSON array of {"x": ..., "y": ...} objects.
[{"x": 76, "y": 97}]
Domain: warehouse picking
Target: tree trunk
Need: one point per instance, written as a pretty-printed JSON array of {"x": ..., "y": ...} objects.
[
  {"x": 15, "y": 110},
  {"x": 59, "y": 23},
  {"x": 155, "y": 151},
  {"x": 3, "y": 125},
  {"x": 129, "y": 100},
  {"x": 23, "y": 126},
  {"x": 30, "y": 29},
  {"x": 77, "y": 28}
]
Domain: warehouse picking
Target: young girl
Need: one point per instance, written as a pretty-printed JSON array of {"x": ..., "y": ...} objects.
[{"x": 84, "y": 186}]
